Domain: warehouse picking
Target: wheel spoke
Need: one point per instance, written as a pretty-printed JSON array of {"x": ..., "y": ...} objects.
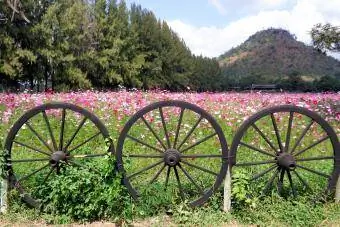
[
  {"x": 313, "y": 171},
  {"x": 39, "y": 137},
  {"x": 263, "y": 172},
  {"x": 276, "y": 131},
  {"x": 313, "y": 145},
  {"x": 301, "y": 136},
  {"x": 256, "y": 149},
  {"x": 75, "y": 133},
  {"x": 81, "y": 144},
  {"x": 32, "y": 148},
  {"x": 153, "y": 132},
  {"x": 201, "y": 156},
  {"x": 34, "y": 172},
  {"x": 167, "y": 177},
  {"x": 48, "y": 136},
  {"x": 200, "y": 168},
  {"x": 145, "y": 169},
  {"x": 280, "y": 182},
  {"x": 191, "y": 179},
  {"x": 198, "y": 142},
  {"x": 264, "y": 137},
  {"x": 314, "y": 158},
  {"x": 50, "y": 130},
  {"x": 270, "y": 182},
  {"x": 49, "y": 173},
  {"x": 179, "y": 183},
  {"x": 302, "y": 180},
  {"x": 31, "y": 160},
  {"x": 164, "y": 127},
  {"x": 190, "y": 132},
  {"x": 62, "y": 130},
  {"x": 157, "y": 174},
  {"x": 143, "y": 143},
  {"x": 88, "y": 155},
  {"x": 178, "y": 126},
  {"x": 291, "y": 116},
  {"x": 144, "y": 156},
  {"x": 255, "y": 163},
  {"x": 291, "y": 182}
]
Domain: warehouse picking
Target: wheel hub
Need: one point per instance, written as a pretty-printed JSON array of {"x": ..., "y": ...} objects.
[
  {"x": 172, "y": 157},
  {"x": 286, "y": 160},
  {"x": 56, "y": 157}
]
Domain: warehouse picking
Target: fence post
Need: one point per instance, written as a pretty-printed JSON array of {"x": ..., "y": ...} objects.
[
  {"x": 337, "y": 191},
  {"x": 3, "y": 198},
  {"x": 227, "y": 192},
  {"x": 3, "y": 182}
]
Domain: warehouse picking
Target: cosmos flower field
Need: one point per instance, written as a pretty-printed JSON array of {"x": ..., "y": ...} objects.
[{"x": 114, "y": 108}]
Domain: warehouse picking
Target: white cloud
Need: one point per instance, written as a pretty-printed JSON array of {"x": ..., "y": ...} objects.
[
  {"x": 213, "y": 41},
  {"x": 247, "y": 6},
  {"x": 269, "y": 4},
  {"x": 219, "y": 6}
]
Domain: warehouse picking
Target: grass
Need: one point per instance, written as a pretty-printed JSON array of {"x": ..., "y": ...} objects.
[{"x": 272, "y": 211}]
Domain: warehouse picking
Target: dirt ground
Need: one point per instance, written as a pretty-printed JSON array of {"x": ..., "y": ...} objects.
[{"x": 157, "y": 221}]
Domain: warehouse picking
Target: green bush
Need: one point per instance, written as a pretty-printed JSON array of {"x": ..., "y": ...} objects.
[{"x": 84, "y": 195}]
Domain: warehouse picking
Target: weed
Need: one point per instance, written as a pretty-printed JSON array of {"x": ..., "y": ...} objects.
[{"x": 81, "y": 195}]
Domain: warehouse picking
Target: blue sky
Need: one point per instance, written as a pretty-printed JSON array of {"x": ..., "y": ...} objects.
[
  {"x": 211, "y": 27},
  {"x": 196, "y": 12},
  {"x": 205, "y": 12}
]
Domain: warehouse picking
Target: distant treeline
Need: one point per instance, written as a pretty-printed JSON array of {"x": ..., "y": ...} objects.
[
  {"x": 103, "y": 44},
  {"x": 77, "y": 44}
]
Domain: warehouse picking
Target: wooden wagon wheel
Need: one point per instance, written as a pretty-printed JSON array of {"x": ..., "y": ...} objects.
[
  {"x": 173, "y": 144},
  {"x": 288, "y": 149},
  {"x": 48, "y": 137}
]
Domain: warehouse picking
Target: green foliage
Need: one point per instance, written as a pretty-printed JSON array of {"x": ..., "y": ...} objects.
[
  {"x": 12, "y": 59},
  {"x": 18, "y": 57},
  {"x": 80, "y": 194},
  {"x": 155, "y": 200},
  {"x": 82, "y": 44},
  {"x": 326, "y": 37},
  {"x": 206, "y": 75},
  {"x": 276, "y": 211},
  {"x": 208, "y": 215},
  {"x": 241, "y": 192},
  {"x": 327, "y": 83}
]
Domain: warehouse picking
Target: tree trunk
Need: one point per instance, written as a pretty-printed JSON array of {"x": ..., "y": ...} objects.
[
  {"x": 52, "y": 80},
  {"x": 31, "y": 82},
  {"x": 46, "y": 77}
]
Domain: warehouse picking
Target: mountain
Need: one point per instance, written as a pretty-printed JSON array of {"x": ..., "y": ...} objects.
[{"x": 274, "y": 55}]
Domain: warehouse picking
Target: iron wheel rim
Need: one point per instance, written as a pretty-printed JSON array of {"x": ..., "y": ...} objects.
[
  {"x": 279, "y": 170},
  {"x": 179, "y": 163},
  {"x": 68, "y": 145}
]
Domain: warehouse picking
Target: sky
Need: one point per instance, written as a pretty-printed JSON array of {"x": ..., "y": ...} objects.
[{"x": 212, "y": 27}]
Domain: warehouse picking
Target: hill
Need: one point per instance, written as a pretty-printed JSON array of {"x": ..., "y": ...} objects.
[{"x": 274, "y": 55}]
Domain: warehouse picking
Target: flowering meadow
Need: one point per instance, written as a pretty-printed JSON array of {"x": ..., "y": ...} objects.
[
  {"x": 201, "y": 161},
  {"x": 113, "y": 108}
]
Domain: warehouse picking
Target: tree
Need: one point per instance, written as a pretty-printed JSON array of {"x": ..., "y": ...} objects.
[
  {"x": 18, "y": 58},
  {"x": 66, "y": 39},
  {"x": 16, "y": 7},
  {"x": 327, "y": 83},
  {"x": 78, "y": 44},
  {"x": 206, "y": 75},
  {"x": 326, "y": 37}
]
